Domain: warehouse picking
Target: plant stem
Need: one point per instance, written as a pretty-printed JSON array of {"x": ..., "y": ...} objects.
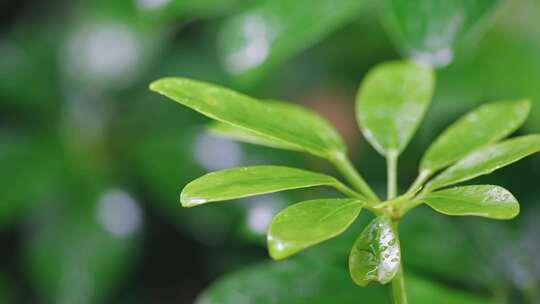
[
  {"x": 399, "y": 294},
  {"x": 420, "y": 179},
  {"x": 343, "y": 164},
  {"x": 398, "y": 288},
  {"x": 391, "y": 174},
  {"x": 348, "y": 191}
]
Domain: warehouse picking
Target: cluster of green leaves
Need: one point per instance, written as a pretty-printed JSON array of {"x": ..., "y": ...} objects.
[
  {"x": 391, "y": 103},
  {"x": 34, "y": 151}
]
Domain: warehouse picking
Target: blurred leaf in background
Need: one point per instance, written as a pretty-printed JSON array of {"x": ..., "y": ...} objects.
[
  {"x": 270, "y": 31},
  {"x": 31, "y": 168},
  {"x": 319, "y": 283},
  {"x": 430, "y": 30},
  {"x": 80, "y": 246}
]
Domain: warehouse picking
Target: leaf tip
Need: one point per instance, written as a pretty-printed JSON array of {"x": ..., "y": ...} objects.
[
  {"x": 526, "y": 103},
  {"x": 187, "y": 200},
  {"x": 162, "y": 84},
  {"x": 156, "y": 85},
  {"x": 277, "y": 249}
]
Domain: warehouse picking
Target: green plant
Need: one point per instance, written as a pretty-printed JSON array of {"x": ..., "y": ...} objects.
[{"x": 391, "y": 103}]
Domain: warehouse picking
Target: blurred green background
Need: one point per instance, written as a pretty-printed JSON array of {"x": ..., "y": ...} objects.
[{"x": 92, "y": 163}]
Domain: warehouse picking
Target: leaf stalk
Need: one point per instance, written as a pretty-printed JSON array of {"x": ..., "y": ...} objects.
[{"x": 344, "y": 165}]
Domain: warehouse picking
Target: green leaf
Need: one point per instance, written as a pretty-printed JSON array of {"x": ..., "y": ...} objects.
[
  {"x": 244, "y": 135},
  {"x": 429, "y": 30},
  {"x": 484, "y": 200},
  {"x": 375, "y": 256},
  {"x": 423, "y": 290},
  {"x": 294, "y": 281},
  {"x": 306, "y": 280},
  {"x": 247, "y": 181},
  {"x": 271, "y": 31},
  {"x": 487, "y": 124},
  {"x": 308, "y": 223},
  {"x": 296, "y": 127},
  {"x": 391, "y": 102},
  {"x": 487, "y": 159}
]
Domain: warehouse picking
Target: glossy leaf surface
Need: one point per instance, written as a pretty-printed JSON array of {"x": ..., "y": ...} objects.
[
  {"x": 291, "y": 125},
  {"x": 273, "y": 30},
  {"x": 391, "y": 103},
  {"x": 308, "y": 223},
  {"x": 485, "y": 125},
  {"x": 375, "y": 256},
  {"x": 429, "y": 30},
  {"x": 247, "y": 181},
  {"x": 482, "y": 200},
  {"x": 487, "y": 159},
  {"x": 245, "y": 135}
]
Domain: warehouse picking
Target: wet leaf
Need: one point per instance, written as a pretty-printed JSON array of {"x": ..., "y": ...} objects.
[
  {"x": 391, "y": 103},
  {"x": 307, "y": 223},
  {"x": 487, "y": 159},
  {"x": 483, "y": 200},
  {"x": 273, "y": 30},
  {"x": 300, "y": 128},
  {"x": 429, "y": 30},
  {"x": 487, "y": 124},
  {"x": 375, "y": 256},
  {"x": 247, "y": 181},
  {"x": 244, "y": 135}
]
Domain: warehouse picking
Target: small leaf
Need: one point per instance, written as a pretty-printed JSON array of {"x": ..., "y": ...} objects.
[
  {"x": 391, "y": 102},
  {"x": 296, "y": 126},
  {"x": 487, "y": 159},
  {"x": 375, "y": 256},
  {"x": 484, "y": 200},
  {"x": 308, "y": 223},
  {"x": 247, "y": 181},
  {"x": 487, "y": 124}
]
